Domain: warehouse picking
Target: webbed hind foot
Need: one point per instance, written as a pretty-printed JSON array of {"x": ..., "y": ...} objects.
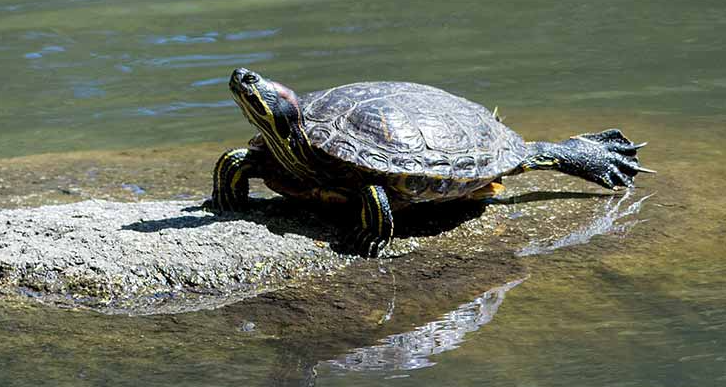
[
  {"x": 617, "y": 155},
  {"x": 607, "y": 158}
]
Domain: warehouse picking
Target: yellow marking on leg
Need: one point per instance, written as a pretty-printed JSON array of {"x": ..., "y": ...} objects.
[
  {"x": 546, "y": 163},
  {"x": 235, "y": 180},
  {"x": 363, "y": 216},
  {"x": 380, "y": 210},
  {"x": 224, "y": 161}
]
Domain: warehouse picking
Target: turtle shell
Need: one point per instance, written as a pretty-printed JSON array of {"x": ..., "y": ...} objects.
[{"x": 413, "y": 129}]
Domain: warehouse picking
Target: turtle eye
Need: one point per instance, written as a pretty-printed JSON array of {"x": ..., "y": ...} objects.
[{"x": 250, "y": 78}]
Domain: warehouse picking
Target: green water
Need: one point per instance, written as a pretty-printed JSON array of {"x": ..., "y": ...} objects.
[{"x": 647, "y": 308}]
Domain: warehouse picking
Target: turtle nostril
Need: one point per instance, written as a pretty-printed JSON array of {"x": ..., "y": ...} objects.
[{"x": 238, "y": 75}]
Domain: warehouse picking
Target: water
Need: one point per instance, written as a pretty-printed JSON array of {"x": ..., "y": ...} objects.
[{"x": 646, "y": 307}]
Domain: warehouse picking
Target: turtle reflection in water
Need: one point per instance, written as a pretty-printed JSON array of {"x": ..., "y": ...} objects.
[{"x": 383, "y": 146}]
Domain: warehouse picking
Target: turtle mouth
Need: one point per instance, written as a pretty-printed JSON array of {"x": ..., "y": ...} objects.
[
  {"x": 238, "y": 88},
  {"x": 241, "y": 91},
  {"x": 244, "y": 90}
]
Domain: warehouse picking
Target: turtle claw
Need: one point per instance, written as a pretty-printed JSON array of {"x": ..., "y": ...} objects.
[
  {"x": 376, "y": 222},
  {"x": 611, "y": 136},
  {"x": 645, "y": 170},
  {"x": 619, "y": 175},
  {"x": 496, "y": 115},
  {"x": 365, "y": 243}
]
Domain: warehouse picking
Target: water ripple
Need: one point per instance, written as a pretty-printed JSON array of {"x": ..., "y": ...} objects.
[
  {"x": 123, "y": 68},
  {"x": 211, "y": 81},
  {"x": 209, "y": 37},
  {"x": 44, "y": 50},
  {"x": 84, "y": 90},
  {"x": 33, "y": 35},
  {"x": 179, "y": 106},
  {"x": 344, "y": 51},
  {"x": 187, "y": 61},
  {"x": 346, "y": 29},
  {"x": 245, "y": 35}
]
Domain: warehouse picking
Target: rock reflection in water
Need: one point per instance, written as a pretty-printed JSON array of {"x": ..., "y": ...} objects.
[{"x": 411, "y": 350}]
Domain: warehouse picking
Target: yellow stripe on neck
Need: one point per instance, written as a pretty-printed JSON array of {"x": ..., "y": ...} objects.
[
  {"x": 279, "y": 146},
  {"x": 374, "y": 193}
]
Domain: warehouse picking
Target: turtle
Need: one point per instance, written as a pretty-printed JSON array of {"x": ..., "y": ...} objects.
[{"x": 385, "y": 146}]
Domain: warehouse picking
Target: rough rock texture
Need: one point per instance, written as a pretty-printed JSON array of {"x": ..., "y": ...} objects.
[{"x": 99, "y": 252}]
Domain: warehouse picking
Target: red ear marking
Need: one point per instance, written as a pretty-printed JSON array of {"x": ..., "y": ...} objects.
[
  {"x": 286, "y": 94},
  {"x": 289, "y": 96}
]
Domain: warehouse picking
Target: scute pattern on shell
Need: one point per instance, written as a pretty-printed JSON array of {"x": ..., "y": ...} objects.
[{"x": 397, "y": 128}]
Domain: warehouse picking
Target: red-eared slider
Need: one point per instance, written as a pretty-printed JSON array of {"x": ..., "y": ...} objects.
[{"x": 387, "y": 145}]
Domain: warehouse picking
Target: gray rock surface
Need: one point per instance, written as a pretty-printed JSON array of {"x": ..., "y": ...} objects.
[{"x": 135, "y": 255}]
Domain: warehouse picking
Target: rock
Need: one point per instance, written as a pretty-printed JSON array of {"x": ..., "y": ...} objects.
[
  {"x": 135, "y": 255},
  {"x": 173, "y": 256}
]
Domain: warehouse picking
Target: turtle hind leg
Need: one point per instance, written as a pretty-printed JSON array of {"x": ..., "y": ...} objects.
[
  {"x": 607, "y": 158},
  {"x": 376, "y": 222},
  {"x": 231, "y": 179}
]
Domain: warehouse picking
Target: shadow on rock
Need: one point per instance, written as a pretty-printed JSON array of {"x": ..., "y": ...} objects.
[
  {"x": 331, "y": 223},
  {"x": 547, "y": 195},
  {"x": 176, "y": 223},
  {"x": 429, "y": 219}
]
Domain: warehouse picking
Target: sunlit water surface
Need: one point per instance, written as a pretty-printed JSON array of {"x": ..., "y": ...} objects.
[{"x": 644, "y": 307}]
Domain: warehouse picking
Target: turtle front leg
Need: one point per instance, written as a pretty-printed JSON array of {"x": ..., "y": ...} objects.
[
  {"x": 231, "y": 179},
  {"x": 376, "y": 228},
  {"x": 606, "y": 158}
]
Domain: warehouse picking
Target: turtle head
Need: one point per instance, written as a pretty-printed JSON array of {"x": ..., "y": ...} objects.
[
  {"x": 271, "y": 107},
  {"x": 275, "y": 111}
]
